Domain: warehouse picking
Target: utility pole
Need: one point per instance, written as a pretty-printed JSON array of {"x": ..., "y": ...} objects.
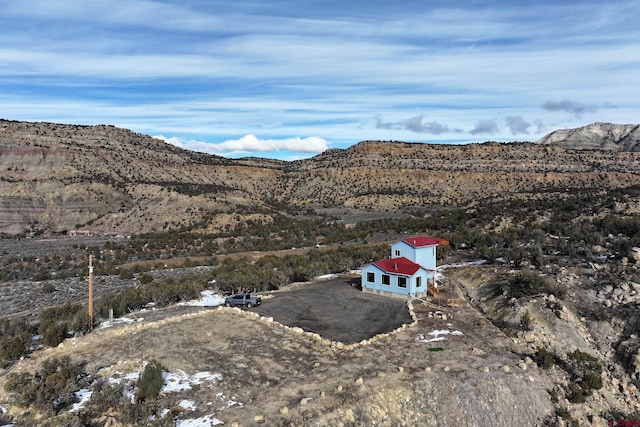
[{"x": 90, "y": 293}]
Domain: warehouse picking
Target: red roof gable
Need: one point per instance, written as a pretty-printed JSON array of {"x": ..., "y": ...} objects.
[
  {"x": 420, "y": 241},
  {"x": 399, "y": 265}
]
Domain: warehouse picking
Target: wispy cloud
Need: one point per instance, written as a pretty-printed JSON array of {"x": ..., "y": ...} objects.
[
  {"x": 567, "y": 106},
  {"x": 415, "y": 124}
]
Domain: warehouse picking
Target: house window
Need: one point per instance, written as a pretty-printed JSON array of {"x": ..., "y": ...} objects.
[
  {"x": 402, "y": 282},
  {"x": 385, "y": 279},
  {"x": 371, "y": 277},
  {"x": 397, "y": 252},
  {"x": 418, "y": 281}
]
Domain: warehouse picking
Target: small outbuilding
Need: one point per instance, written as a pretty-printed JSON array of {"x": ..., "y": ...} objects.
[{"x": 407, "y": 273}]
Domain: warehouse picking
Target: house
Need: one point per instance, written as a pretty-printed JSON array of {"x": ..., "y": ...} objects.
[{"x": 407, "y": 273}]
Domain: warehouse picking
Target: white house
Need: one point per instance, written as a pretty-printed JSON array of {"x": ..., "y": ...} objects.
[{"x": 407, "y": 272}]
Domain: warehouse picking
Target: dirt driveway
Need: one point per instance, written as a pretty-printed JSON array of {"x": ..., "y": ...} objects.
[{"x": 336, "y": 309}]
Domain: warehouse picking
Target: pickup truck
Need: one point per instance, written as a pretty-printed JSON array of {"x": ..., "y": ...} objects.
[{"x": 242, "y": 300}]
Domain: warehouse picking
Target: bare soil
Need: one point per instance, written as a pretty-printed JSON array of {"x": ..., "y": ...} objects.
[{"x": 279, "y": 377}]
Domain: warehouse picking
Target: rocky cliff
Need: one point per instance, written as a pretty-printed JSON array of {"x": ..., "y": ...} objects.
[{"x": 596, "y": 136}]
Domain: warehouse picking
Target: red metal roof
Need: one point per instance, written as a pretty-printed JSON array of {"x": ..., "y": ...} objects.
[
  {"x": 420, "y": 241},
  {"x": 399, "y": 265}
]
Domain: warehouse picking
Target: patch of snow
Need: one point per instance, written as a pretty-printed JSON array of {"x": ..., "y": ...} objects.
[
  {"x": 206, "y": 421},
  {"x": 180, "y": 380},
  {"x": 229, "y": 403},
  {"x": 326, "y": 276},
  {"x": 207, "y": 299},
  {"x": 83, "y": 397},
  {"x": 438, "y": 332},
  {"x": 116, "y": 321},
  {"x": 438, "y": 335},
  {"x": 187, "y": 404}
]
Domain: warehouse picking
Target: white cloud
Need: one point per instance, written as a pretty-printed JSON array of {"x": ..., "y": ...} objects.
[{"x": 251, "y": 143}]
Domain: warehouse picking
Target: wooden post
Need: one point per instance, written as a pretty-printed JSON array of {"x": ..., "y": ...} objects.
[{"x": 90, "y": 293}]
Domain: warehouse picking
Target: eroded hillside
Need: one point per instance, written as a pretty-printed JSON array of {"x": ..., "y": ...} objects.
[{"x": 57, "y": 178}]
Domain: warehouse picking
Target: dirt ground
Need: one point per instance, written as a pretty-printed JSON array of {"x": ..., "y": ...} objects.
[
  {"x": 279, "y": 377},
  {"x": 336, "y": 309}
]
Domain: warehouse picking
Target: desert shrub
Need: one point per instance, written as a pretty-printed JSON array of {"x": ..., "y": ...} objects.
[
  {"x": 53, "y": 333},
  {"x": 106, "y": 396},
  {"x": 150, "y": 382},
  {"x": 125, "y": 274},
  {"x": 140, "y": 413},
  {"x": 527, "y": 284},
  {"x": 50, "y": 389},
  {"x": 544, "y": 359},
  {"x": 585, "y": 370},
  {"x": 15, "y": 340},
  {"x": 146, "y": 278},
  {"x": 55, "y": 322},
  {"x": 584, "y": 373},
  {"x": 575, "y": 393},
  {"x": 48, "y": 288},
  {"x": 525, "y": 321},
  {"x": 70, "y": 420},
  {"x": 563, "y": 413},
  {"x": 13, "y": 348}
]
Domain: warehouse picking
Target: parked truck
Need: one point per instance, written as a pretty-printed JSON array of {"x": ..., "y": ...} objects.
[{"x": 242, "y": 300}]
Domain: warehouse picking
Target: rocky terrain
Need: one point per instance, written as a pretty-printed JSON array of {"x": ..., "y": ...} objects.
[
  {"x": 596, "y": 136},
  {"x": 56, "y": 178},
  {"x": 277, "y": 375}
]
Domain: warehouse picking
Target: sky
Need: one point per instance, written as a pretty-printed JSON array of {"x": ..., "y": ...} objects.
[{"x": 288, "y": 79}]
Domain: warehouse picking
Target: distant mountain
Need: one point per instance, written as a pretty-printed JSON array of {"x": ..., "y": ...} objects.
[
  {"x": 55, "y": 178},
  {"x": 596, "y": 136}
]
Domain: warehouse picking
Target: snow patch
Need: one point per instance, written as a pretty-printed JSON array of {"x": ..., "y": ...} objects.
[
  {"x": 116, "y": 321},
  {"x": 83, "y": 397},
  {"x": 187, "y": 404},
  {"x": 207, "y": 299},
  {"x": 438, "y": 335},
  {"x": 181, "y": 381},
  {"x": 206, "y": 421}
]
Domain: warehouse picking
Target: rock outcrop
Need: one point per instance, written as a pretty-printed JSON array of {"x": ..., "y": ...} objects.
[{"x": 596, "y": 136}]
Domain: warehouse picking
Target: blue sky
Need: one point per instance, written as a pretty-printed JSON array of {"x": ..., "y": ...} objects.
[{"x": 290, "y": 78}]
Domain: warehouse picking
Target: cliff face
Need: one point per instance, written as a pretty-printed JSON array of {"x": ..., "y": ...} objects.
[
  {"x": 59, "y": 177},
  {"x": 597, "y": 136},
  {"x": 55, "y": 178}
]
